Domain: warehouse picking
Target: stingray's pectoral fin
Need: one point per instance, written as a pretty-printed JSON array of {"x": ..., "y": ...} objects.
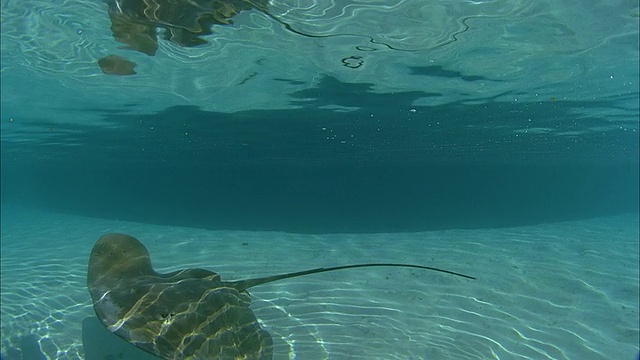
[{"x": 186, "y": 314}]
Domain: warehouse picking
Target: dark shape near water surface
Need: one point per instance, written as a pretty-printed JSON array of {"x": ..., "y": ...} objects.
[
  {"x": 116, "y": 65},
  {"x": 134, "y": 22},
  {"x": 187, "y": 314}
]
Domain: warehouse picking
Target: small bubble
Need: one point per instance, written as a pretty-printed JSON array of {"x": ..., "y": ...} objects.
[{"x": 79, "y": 31}]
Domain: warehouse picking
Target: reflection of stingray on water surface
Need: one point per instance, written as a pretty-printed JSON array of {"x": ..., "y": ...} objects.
[
  {"x": 116, "y": 65},
  {"x": 134, "y": 22},
  {"x": 184, "y": 22}
]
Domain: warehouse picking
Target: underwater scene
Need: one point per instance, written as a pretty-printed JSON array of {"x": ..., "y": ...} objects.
[{"x": 308, "y": 179}]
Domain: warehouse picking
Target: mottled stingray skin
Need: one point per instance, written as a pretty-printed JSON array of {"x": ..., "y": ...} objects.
[{"x": 187, "y": 314}]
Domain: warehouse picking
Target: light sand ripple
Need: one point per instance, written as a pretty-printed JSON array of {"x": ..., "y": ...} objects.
[{"x": 553, "y": 291}]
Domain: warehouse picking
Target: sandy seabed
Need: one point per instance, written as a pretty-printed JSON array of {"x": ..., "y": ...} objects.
[{"x": 565, "y": 290}]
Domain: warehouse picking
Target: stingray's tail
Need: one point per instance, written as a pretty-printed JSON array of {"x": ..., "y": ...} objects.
[{"x": 245, "y": 284}]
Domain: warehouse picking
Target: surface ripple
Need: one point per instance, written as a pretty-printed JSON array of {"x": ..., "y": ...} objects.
[{"x": 545, "y": 49}]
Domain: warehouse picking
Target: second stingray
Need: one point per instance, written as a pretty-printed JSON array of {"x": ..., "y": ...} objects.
[{"x": 187, "y": 314}]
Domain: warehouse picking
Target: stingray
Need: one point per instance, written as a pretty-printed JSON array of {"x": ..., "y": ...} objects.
[
  {"x": 186, "y": 314},
  {"x": 116, "y": 65}
]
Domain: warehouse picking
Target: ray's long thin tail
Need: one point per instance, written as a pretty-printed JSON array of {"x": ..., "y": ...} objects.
[{"x": 245, "y": 284}]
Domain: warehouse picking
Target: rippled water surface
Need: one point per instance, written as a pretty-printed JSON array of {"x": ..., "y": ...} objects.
[{"x": 468, "y": 51}]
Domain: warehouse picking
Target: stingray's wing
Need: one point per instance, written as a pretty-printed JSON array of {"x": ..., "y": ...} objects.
[{"x": 187, "y": 319}]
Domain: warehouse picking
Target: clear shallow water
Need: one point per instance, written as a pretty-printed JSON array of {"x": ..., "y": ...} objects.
[
  {"x": 552, "y": 291},
  {"x": 498, "y": 139}
]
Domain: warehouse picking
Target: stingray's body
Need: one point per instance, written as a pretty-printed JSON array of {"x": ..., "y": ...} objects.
[{"x": 188, "y": 314}]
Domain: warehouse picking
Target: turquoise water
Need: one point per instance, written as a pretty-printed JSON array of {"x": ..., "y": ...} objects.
[
  {"x": 498, "y": 139},
  {"x": 551, "y": 291}
]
